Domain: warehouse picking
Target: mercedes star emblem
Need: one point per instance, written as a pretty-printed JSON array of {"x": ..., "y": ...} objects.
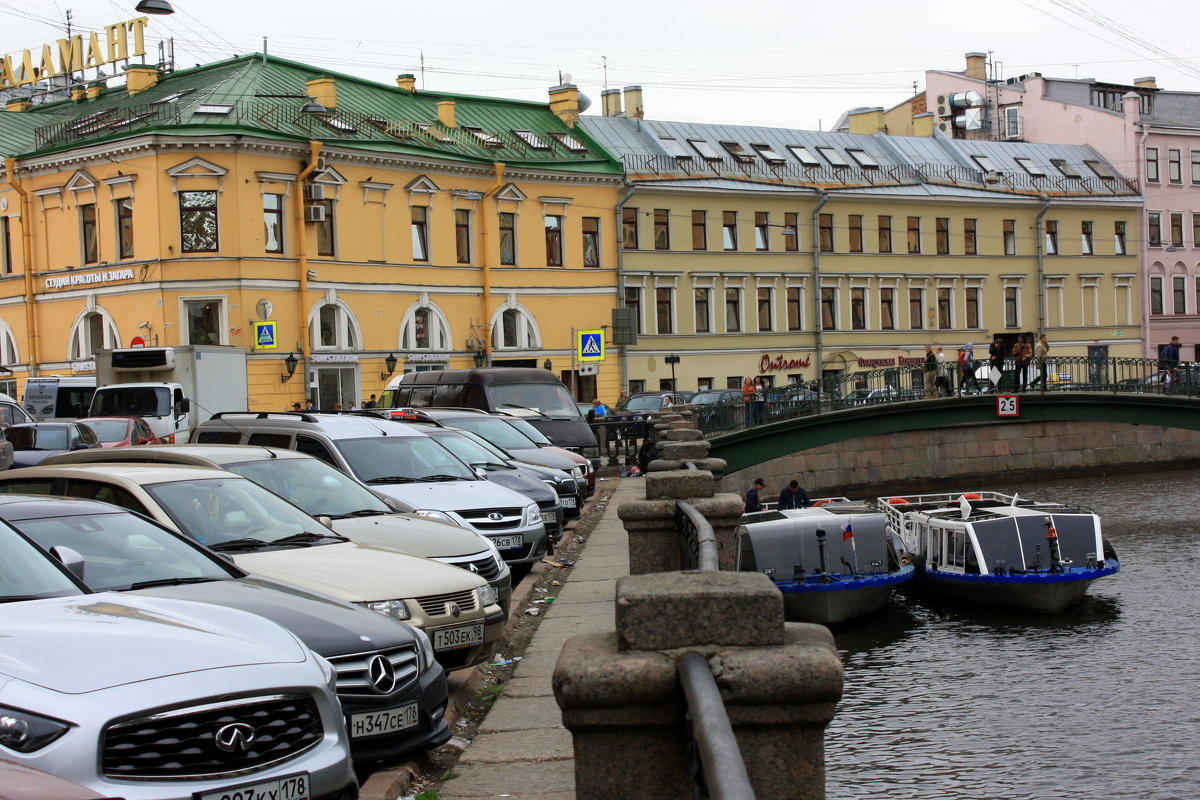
[
  {"x": 382, "y": 674},
  {"x": 235, "y": 737}
]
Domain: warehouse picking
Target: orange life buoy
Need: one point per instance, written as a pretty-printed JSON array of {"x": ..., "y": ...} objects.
[
  {"x": 971, "y": 496},
  {"x": 897, "y": 501},
  {"x": 818, "y": 504}
]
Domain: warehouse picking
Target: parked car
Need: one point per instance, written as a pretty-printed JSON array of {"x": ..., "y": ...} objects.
[
  {"x": 121, "y": 431},
  {"x": 708, "y": 396},
  {"x": 19, "y": 782},
  {"x": 11, "y": 412},
  {"x": 269, "y": 537},
  {"x": 32, "y": 442},
  {"x": 325, "y": 492},
  {"x": 153, "y": 698},
  {"x": 392, "y": 690},
  {"x": 399, "y": 461}
]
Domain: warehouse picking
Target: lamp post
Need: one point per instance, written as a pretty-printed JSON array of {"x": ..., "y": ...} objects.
[{"x": 672, "y": 360}]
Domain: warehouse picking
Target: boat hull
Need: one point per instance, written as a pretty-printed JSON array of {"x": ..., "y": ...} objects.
[
  {"x": 842, "y": 599},
  {"x": 1039, "y": 593}
]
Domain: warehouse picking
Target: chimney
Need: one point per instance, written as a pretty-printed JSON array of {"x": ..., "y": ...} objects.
[
  {"x": 78, "y": 92},
  {"x": 633, "y": 102},
  {"x": 867, "y": 121},
  {"x": 446, "y": 114},
  {"x": 977, "y": 66},
  {"x": 323, "y": 90},
  {"x": 564, "y": 102},
  {"x": 18, "y": 104},
  {"x": 95, "y": 89},
  {"x": 923, "y": 124},
  {"x": 1146, "y": 83},
  {"x": 140, "y": 77},
  {"x": 407, "y": 82},
  {"x": 610, "y": 102}
]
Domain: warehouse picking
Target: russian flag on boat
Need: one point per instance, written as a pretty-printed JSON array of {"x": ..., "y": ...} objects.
[{"x": 848, "y": 532}]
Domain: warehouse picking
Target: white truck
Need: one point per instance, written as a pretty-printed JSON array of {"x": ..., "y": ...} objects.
[
  {"x": 173, "y": 388},
  {"x": 59, "y": 397}
]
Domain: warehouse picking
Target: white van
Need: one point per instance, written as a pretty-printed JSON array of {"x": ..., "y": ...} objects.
[{"x": 55, "y": 397}]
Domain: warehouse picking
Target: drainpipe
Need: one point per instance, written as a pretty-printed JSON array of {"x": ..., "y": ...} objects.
[
  {"x": 10, "y": 172},
  {"x": 314, "y": 151},
  {"x": 487, "y": 266},
  {"x": 623, "y": 367},
  {"x": 1041, "y": 266},
  {"x": 816, "y": 270},
  {"x": 1143, "y": 250}
]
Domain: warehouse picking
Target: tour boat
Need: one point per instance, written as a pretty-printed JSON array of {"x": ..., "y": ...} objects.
[
  {"x": 1002, "y": 551},
  {"x": 833, "y": 561}
]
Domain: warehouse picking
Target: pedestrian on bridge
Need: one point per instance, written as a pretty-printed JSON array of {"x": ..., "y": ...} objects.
[
  {"x": 996, "y": 363},
  {"x": 930, "y": 373},
  {"x": 793, "y": 496},
  {"x": 753, "y": 501},
  {"x": 1040, "y": 354},
  {"x": 966, "y": 363},
  {"x": 1022, "y": 353},
  {"x": 1168, "y": 363},
  {"x": 748, "y": 399}
]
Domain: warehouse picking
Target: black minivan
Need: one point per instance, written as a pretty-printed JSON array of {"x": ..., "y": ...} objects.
[{"x": 534, "y": 394}]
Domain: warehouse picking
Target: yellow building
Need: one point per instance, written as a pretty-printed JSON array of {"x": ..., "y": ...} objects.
[
  {"x": 377, "y": 229},
  {"x": 796, "y": 255}
]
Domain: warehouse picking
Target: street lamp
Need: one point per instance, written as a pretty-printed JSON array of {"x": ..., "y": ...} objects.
[
  {"x": 289, "y": 364},
  {"x": 389, "y": 364},
  {"x": 672, "y": 360}
]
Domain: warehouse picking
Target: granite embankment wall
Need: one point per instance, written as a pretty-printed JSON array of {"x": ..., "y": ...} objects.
[{"x": 972, "y": 457}]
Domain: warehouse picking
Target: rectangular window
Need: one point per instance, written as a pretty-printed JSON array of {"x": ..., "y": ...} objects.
[
  {"x": 1178, "y": 294},
  {"x": 885, "y": 234},
  {"x": 420, "y": 233},
  {"x": 765, "y": 310},
  {"x": 1154, "y": 229},
  {"x": 1195, "y": 229},
  {"x": 508, "y": 239},
  {"x": 90, "y": 246},
  {"x": 972, "y": 306},
  {"x": 729, "y": 230},
  {"x": 887, "y": 309},
  {"x": 1087, "y": 238},
  {"x": 1156, "y": 294},
  {"x": 1196, "y": 166},
  {"x": 1051, "y": 237},
  {"x": 942, "y": 232},
  {"x": 633, "y": 301},
  {"x": 1119, "y": 237},
  {"x": 125, "y": 228},
  {"x": 1152, "y": 164},
  {"x": 1174, "y": 166},
  {"x": 762, "y": 236},
  {"x": 1177, "y": 228},
  {"x": 554, "y": 251},
  {"x": 325, "y": 230},
  {"x": 198, "y": 222},
  {"x": 914, "y": 235},
  {"x": 664, "y": 311},
  {"x": 1010, "y": 237},
  {"x": 273, "y": 223},
  {"x": 856, "y": 236},
  {"x": 944, "y": 305},
  {"x": 699, "y": 230},
  {"x": 858, "y": 309},
  {"x": 1011, "y": 318},
  {"x": 629, "y": 229},
  {"x": 733, "y": 310},
  {"x": 662, "y": 229},
  {"x": 701, "y": 301},
  {"x": 462, "y": 236},
  {"x": 203, "y": 321},
  {"x": 591, "y": 241},
  {"x": 6, "y": 265},
  {"x": 825, "y": 232},
  {"x": 916, "y": 309},
  {"x": 795, "y": 316},
  {"x": 970, "y": 241},
  {"x": 828, "y": 308}
]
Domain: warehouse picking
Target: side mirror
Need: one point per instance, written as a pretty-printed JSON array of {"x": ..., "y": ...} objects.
[
  {"x": 326, "y": 521},
  {"x": 481, "y": 473},
  {"x": 185, "y": 406},
  {"x": 80, "y": 446},
  {"x": 71, "y": 559}
]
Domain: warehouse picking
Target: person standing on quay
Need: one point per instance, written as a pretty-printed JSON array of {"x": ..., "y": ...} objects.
[
  {"x": 1022, "y": 354},
  {"x": 793, "y": 496},
  {"x": 748, "y": 399},
  {"x": 760, "y": 401},
  {"x": 943, "y": 378},
  {"x": 930, "y": 373},
  {"x": 1040, "y": 354},
  {"x": 753, "y": 501},
  {"x": 967, "y": 367},
  {"x": 1168, "y": 362},
  {"x": 996, "y": 363}
]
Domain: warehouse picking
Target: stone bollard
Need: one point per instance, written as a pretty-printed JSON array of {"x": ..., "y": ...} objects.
[{"x": 622, "y": 701}]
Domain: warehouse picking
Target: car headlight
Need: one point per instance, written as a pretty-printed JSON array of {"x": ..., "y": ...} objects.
[
  {"x": 424, "y": 647},
  {"x": 396, "y": 609},
  {"x": 577, "y": 473},
  {"x": 590, "y": 452},
  {"x": 440, "y": 516},
  {"x": 533, "y": 515},
  {"x": 488, "y": 595},
  {"x": 26, "y": 732}
]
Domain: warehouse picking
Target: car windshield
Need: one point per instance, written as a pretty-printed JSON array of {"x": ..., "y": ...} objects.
[
  {"x": 530, "y": 432},
  {"x": 415, "y": 458},
  {"x": 38, "y": 438},
  {"x": 550, "y": 399},
  {"x": 122, "y": 550},
  {"x": 110, "y": 430},
  {"x": 495, "y": 430},
  {"x": 214, "y": 511},
  {"x": 649, "y": 402},
  {"x": 468, "y": 449},
  {"x": 116, "y": 401},
  {"x": 317, "y": 487},
  {"x": 26, "y": 574}
]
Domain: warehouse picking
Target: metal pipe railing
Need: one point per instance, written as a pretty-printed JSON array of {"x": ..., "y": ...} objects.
[
  {"x": 699, "y": 547},
  {"x": 721, "y": 763}
]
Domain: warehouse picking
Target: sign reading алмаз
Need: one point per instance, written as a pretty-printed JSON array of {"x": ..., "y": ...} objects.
[{"x": 74, "y": 54}]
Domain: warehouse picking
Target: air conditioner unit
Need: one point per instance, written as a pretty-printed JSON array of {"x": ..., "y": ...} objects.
[
  {"x": 314, "y": 191},
  {"x": 946, "y": 127},
  {"x": 314, "y": 213}
]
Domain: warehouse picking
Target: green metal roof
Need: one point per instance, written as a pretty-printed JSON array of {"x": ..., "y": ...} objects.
[{"x": 250, "y": 94}]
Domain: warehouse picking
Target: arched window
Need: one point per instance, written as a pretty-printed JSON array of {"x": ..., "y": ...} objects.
[
  {"x": 93, "y": 330},
  {"x": 332, "y": 326},
  {"x": 513, "y": 328},
  {"x": 9, "y": 354},
  {"x": 424, "y": 328}
]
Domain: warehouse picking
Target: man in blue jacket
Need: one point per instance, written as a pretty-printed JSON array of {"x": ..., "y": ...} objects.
[
  {"x": 753, "y": 501},
  {"x": 793, "y": 496}
]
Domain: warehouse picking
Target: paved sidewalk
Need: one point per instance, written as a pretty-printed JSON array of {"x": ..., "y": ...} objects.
[{"x": 522, "y": 749}]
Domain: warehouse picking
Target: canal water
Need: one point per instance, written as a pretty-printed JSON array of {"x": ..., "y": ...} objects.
[{"x": 1102, "y": 701}]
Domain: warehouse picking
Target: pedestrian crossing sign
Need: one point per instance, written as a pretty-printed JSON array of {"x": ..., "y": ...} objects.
[
  {"x": 264, "y": 335},
  {"x": 589, "y": 345}
]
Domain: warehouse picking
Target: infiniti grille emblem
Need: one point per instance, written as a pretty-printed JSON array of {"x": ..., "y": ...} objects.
[
  {"x": 382, "y": 674},
  {"x": 495, "y": 516},
  {"x": 235, "y": 737}
]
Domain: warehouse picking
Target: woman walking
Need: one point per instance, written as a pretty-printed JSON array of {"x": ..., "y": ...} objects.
[{"x": 1040, "y": 353}]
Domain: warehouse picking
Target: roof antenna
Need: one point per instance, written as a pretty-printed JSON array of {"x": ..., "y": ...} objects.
[
  {"x": 604, "y": 62},
  {"x": 264, "y": 58}
]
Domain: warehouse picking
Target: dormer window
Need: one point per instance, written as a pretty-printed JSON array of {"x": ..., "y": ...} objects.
[
  {"x": 675, "y": 149},
  {"x": 1029, "y": 166},
  {"x": 171, "y": 98},
  {"x": 738, "y": 152},
  {"x": 214, "y": 109},
  {"x": 432, "y": 133},
  {"x": 833, "y": 156},
  {"x": 705, "y": 150},
  {"x": 486, "y": 138},
  {"x": 532, "y": 139},
  {"x": 570, "y": 142},
  {"x": 1066, "y": 168},
  {"x": 864, "y": 159},
  {"x": 804, "y": 155},
  {"x": 768, "y": 154},
  {"x": 1101, "y": 170},
  {"x": 985, "y": 163},
  {"x": 337, "y": 124}
]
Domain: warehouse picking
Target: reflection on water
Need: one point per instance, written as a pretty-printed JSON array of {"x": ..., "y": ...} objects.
[{"x": 1100, "y": 702}]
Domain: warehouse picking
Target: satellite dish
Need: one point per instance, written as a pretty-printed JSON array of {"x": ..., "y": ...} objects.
[
  {"x": 585, "y": 102},
  {"x": 566, "y": 77}
]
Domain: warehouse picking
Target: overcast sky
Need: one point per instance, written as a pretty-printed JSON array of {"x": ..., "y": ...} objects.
[{"x": 786, "y": 63}]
